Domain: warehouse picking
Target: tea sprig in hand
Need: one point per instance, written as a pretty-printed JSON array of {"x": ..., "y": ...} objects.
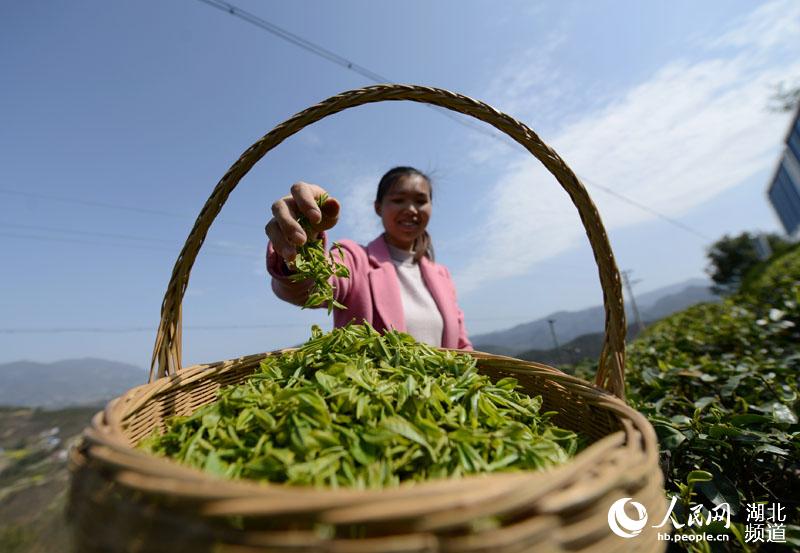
[{"x": 314, "y": 264}]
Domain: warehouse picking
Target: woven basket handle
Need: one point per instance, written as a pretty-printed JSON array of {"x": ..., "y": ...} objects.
[{"x": 610, "y": 375}]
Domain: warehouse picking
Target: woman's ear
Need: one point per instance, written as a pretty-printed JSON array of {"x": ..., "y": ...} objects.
[{"x": 378, "y": 209}]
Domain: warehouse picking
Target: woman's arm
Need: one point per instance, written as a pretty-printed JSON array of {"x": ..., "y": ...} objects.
[
  {"x": 286, "y": 289},
  {"x": 286, "y": 235}
]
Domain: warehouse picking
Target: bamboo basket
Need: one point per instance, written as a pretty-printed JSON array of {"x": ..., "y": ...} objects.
[{"x": 122, "y": 499}]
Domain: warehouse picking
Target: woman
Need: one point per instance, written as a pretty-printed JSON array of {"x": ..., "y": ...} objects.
[{"x": 394, "y": 282}]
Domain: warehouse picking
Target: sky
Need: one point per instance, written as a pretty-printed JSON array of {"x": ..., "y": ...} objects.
[{"x": 117, "y": 119}]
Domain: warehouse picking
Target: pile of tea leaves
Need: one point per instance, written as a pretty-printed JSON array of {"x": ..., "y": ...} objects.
[{"x": 354, "y": 408}]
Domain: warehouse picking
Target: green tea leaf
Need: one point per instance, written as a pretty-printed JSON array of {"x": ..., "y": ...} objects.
[
  {"x": 768, "y": 448},
  {"x": 401, "y": 426},
  {"x": 749, "y": 419},
  {"x": 782, "y": 414},
  {"x": 699, "y": 476}
]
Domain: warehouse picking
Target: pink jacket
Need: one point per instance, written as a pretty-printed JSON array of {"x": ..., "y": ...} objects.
[{"x": 372, "y": 292}]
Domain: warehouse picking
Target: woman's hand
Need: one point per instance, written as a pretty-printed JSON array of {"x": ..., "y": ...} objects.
[{"x": 285, "y": 232}]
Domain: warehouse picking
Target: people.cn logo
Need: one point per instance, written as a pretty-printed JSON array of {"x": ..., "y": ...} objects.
[{"x": 623, "y": 525}]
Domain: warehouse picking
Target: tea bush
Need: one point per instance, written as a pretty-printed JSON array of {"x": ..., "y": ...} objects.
[{"x": 720, "y": 384}]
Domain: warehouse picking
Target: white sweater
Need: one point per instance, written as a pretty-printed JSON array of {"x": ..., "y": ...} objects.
[{"x": 423, "y": 320}]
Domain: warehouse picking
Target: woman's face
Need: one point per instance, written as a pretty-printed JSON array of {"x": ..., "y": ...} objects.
[{"x": 405, "y": 210}]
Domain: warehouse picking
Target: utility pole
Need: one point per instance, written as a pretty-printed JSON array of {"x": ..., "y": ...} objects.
[
  {"x": 629, "y": 288},
  {"x": 552, "y": 323}
]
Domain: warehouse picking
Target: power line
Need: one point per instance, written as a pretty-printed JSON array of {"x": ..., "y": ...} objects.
[
  {"x": 98, "y": 234},
  {"x": 126, "y": 330},
  {"x": 86, "y": 233},
  {"x": 350, "y": 65},
  {"x": 296, "y": 40},
  {"x": 134, "y": 329},
  {"x": 634, "y": 203},
  {"x": 115, "y": 244},
  {"x": 107, "y": 205},
  {"x": 339, "y": 60}
]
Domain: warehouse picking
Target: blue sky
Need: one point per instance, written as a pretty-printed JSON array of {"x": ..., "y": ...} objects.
[{"x": 117, "y": 119}]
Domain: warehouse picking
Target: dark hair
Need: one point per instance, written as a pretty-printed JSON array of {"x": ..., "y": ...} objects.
[{"x": 422, "y": 245}]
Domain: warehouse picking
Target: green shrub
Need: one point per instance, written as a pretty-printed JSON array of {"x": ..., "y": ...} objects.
[{"x": 720, "y": 384}]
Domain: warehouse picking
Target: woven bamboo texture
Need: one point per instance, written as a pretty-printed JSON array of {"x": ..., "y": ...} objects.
[{"x": 125, "y": 500}]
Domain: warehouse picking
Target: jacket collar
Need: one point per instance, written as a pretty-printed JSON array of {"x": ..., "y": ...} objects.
[
  {"x": 385, "y": 285},
  {"x": 378, "y": 252},
  {"x": 439, "y": 293}
]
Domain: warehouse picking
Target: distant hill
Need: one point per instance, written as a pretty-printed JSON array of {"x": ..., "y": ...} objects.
[
  {"x": 672, "y": 303},
  {"x": 86, "y": 381},
  {"x": 535, "y": 336},
  {"x": 586, "y": 346},
  {"x": 648, "y": 299}
]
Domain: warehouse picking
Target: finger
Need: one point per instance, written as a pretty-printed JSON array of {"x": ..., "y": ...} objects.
[
  {"x": 305, "y": 197},
  {"x": 282, "y": 247},
  {"x": 285, "y": 214},
  {"x": 330, "y": 215}
]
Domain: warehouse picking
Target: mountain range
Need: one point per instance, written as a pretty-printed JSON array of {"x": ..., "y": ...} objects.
[
  {"x": 87, "y": 381},
  {"x": 569, "y": 325}
]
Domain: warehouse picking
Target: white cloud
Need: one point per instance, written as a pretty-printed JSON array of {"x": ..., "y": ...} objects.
[
  {"x": 534, "y": 71},
  {"x": 529, "y": 84},
  {"x": 358, "y": 217},
  {"x": 679, "y": 139},
  {"x": 527, "y": 209},
  {"x": 771, "y": 25},
  {"x": 672, "y": 142}
]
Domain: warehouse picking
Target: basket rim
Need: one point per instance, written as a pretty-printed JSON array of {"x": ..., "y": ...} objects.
[{"x": 105, "y": 442}]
